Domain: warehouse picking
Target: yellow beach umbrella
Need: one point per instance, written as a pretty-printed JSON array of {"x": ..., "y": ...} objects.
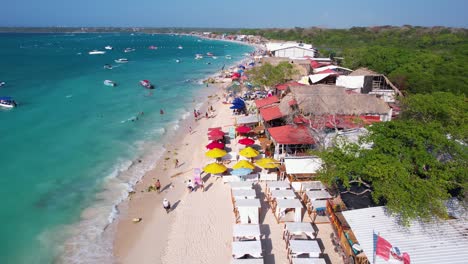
[
  {"x": 216, "y": 153},
  {"x": 214, "y": 168},
  {"x": 249, "y": 152},
  {"x": 244, "y": 164},
  {"x": 267, "y": 163}
]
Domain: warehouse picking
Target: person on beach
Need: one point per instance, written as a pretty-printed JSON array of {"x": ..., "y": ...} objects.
[
  {"x": 190, "y": 130},
  {"x": 206, "y": 114},
  {"x": 157, "y": 185},
  {"x": 176, "y": 163},
  {"x": 166, "y": 205},
  {"x": 190, "y": 186}
]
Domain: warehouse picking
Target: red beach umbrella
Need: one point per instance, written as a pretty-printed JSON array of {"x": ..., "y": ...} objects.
[
  {"x": 246, "y": 141},
  {"x": 215, "y": 137},
  {"x": 216, "y": 133},
  {"x": 243, "y": 129},
  {"x": 215, "y": 144}
]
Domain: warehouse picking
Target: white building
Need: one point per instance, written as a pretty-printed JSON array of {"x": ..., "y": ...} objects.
[{"x": 290, "y": 49}]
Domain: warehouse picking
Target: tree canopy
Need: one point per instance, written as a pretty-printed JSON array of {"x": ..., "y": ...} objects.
[
  {"x": 412, "y": 167},
  {"x": 268, "y": 75}
]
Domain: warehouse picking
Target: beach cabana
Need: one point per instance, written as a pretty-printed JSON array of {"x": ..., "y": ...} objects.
[
  {"x": 311, "y": 186},
  {"x": 280, "y": 194},
  {"x": 247, "y": 261},
  {"x": 310, "y": 248},
  {"x": 243, "y": 194},
  {"x": 302, "y": 168},
  {"x": 240, "y": 249},
  {"x": 247, "y": 211},
  {"x": 246, "y": 232},
  {"x": 296, "y": 230},
  {"x": 284, "y": 206},
  {"x": 276, "y": 185},
  {"x": 241, "y": 185}
]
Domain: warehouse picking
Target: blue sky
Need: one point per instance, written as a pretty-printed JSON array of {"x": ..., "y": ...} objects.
[{"x": 217, "y": 13}]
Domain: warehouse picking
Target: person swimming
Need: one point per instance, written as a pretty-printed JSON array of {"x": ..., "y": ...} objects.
[{"x": 161, "y": 112}]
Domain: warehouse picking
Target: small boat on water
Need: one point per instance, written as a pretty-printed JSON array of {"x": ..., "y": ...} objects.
[
  {"x": 110, "y": 83},
  {"x": 228, "y": 57},
  {"x": 198, "y": 56},
  {"x": 147, "y": 84},
  {"x": 209, "y": 54},
  {"x": 96, "y": 52},
  {"x": 121, "y": 60},
  {"x": 214, "y": 57},
  {"x": 152, "y": 47},
  {"x": 108, "y": 47},
  {"x": 177, "y": 60},
  {"x": 7, "y": 102},
  {"x": 127, "y": 50},
  {"x": 108, "y": 67},
  {"x": 180, "y": 47},
  {"x": 2, "y": 83}
]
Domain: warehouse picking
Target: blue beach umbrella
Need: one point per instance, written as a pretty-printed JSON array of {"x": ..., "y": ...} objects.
[{"x": 241, "y": 172}]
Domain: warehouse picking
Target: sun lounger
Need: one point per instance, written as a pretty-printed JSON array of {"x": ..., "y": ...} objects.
[
  {"x": 298, "y": 247},
  {"x": 242, "y": 248},
  {"x": 246, "y": 231}
]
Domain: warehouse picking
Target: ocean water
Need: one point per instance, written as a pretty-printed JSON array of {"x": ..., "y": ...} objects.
[{"x": 70, "y": 149}]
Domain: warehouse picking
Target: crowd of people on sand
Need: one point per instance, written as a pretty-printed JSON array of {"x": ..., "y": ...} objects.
[{"x": 208, "y": 114}]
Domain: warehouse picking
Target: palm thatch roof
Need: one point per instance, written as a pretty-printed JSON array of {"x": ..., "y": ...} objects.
[{"x": 331, "y": 99}]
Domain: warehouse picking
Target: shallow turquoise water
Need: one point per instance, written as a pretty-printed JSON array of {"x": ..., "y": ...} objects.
[{"x": 70, "y": 132}]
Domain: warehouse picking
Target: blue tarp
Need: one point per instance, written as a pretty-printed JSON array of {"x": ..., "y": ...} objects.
[{"x": 241, "y": 171}]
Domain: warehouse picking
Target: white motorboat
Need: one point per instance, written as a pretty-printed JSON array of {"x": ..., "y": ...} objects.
[
  {"x": 198, "y": 56},
  {"x": 108, "y": 67},
  {"x": 177, "y": 60},
  {"x": 147, "y": 84},
  {"x": 96, "y": 52},
  {"x": 209, "y": 54},
  {"x": 7, "y": 102},
  {"x": 108, "y": 47},
  {"x": 153, "y": 47},
  {"x": 2, "y": 83},
  {"x": 228, "y": 57},
  {"x": 128, "y": 50},
  {"x": 180, "y": 47},
  {"x": 110, "y": 83},
  {"x": 121, "y": 60},
  {"x": 214, "y": 57}
]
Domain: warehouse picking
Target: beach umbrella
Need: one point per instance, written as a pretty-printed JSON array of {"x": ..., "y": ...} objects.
[
  {"x": 216, "y": 132},
  {"x": 215, "y": 137},
  {"x": 246, "y": 141},
  {"x": 241, "y": 172},
  {"x": 243, "y": 129},
  {"x": 249, "y": 152},
  {"x": 215, "y": 144},
  {"x": 214, "y": 168},
  {"x": 244, "y": 164},
  {"x": 215, "y": 153},
  {"x": 267, "y": 163},
  {"x": 237, "y": 106}
]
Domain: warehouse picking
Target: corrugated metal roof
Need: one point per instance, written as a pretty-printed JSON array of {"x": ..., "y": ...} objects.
[{"x": 435, "y": 242}]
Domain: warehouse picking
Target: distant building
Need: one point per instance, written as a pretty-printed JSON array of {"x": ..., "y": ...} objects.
[{"x": 290, "y": 49}]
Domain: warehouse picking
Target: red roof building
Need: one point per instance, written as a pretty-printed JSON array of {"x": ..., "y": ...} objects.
[
  {"x": 270, "y": 113},
  {"x": 285, "y": 86},
  {"x": 291, "y": 135},
  {"x": 266, "y": 101}
]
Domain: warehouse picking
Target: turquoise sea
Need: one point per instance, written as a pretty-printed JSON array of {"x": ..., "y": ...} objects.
[{"x": 68, "y": 150}]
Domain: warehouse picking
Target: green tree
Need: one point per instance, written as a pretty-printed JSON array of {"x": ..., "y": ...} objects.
[
  {"x": 268, "y": 75},
  {"x": 411, "y": 167}
]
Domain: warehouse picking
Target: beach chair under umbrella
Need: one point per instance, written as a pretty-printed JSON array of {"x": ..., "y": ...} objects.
[
  {"x": 214, "y": 168},
  {"x": 245, "y": 164},
  {"x": 216, "y": 153},
  {"x": 249, "y": 152},
  {"x": 267, "y": 163}
]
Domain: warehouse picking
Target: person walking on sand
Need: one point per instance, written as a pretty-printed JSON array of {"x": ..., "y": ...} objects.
[
  {"x": 176, "y": 163},
  {"x": 190, "y": 130},
  {"x": 206, "y": 114},
  {"x": 166, "y": 205},
  {"x": 157, "y": 185}
]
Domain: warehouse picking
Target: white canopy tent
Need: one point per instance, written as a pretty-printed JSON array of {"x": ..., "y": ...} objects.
[
  {"x": 298, "y": 165},
  {"x": 246, "y": 231},
  {"x": 245, "y": 120},
  {"x": 283, "y": 204},
  {"x": 311, "y": 247},
  {"x": 242, "y": 248},
  {"x": 248, "y": 210}
]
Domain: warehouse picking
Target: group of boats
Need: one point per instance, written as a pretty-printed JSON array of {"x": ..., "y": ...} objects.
[{"x": 145, "y": 83}]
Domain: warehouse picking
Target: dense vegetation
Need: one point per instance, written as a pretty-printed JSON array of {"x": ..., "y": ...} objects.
[
  {"x": 268, "y": 75},
  {"x": 416, "y": 59},
  {"x": 413, "y": 166}
]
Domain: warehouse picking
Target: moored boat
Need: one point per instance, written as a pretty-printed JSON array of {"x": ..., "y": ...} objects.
[
  {"x": 180, "y": 47},
  {"x": 209, "y": 54},
  {"x": 108, "y": 67},
  {"x": 198, "y": 56},
  {"x": 147, "y": 84},
  {"x": 108, "y": 47},
  {"x": 152, "y": 47},
  {"x": 110, "y": 83},
  {"x": 2, "y": 83},
  {"x": 96, "y": 52},
  {"x": 121, "y": 60},
  {"x": 128, "y": 50},
  {"x": 228, "y": 57},
  {"x": 7, "y": 102}
]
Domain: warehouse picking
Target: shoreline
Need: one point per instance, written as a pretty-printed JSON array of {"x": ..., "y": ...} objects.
[{"x": 128, "y": 241}]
